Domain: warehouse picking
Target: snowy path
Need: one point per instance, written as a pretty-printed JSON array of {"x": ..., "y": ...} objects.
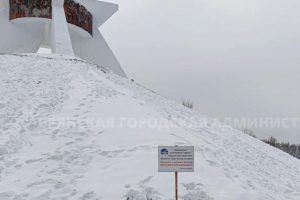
[{"x": 67, "y": 132}]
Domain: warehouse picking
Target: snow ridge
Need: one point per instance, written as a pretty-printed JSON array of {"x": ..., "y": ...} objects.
[{"x": 67, "y": 131}]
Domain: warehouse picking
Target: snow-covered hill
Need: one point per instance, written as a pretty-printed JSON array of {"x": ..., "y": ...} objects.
[{"x": 71, "y": 130}]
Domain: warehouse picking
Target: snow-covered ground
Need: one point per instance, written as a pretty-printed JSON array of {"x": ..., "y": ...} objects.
[{"x": 71, "y": 130}]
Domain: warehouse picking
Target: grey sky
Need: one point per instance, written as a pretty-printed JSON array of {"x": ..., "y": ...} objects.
[{"x": 234, "y": 58}]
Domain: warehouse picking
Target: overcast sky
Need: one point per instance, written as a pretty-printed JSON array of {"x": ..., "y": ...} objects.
[{"x": 234, "y": 58}]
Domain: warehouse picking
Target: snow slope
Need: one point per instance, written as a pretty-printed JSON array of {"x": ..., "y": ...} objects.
[{"x": 71, "y": 130}]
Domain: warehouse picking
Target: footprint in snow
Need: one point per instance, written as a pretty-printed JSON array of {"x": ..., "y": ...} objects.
[
  {"x": 2, "y": 105},
  {"x": 88, "y": 196},
  {"x": 33, "y": 161}
]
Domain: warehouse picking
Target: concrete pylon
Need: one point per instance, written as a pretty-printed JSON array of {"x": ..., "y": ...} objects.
[{"x": 60, "y": 37}]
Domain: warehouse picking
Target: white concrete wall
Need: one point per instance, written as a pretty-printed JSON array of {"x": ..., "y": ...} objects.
[
  {"x": 96, "y": 50},
  {"x": 25, "y": 35},
  {"x": 18, "y": 38},
  {"x": 101, "y": 11}
]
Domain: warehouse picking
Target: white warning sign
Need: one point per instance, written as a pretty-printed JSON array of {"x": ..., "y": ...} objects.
[{"x": 176, "y": 159}]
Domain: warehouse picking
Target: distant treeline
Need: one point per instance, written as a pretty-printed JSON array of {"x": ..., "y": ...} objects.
[{"x": 292, "y": 149}]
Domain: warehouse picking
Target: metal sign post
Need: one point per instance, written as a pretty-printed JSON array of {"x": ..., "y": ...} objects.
[
  {"x": 176, "y": 186},
  {"x": 176, "y": 159}
]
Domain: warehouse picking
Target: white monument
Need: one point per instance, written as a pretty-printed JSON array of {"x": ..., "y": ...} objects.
[{"x": 69, "y": 27}]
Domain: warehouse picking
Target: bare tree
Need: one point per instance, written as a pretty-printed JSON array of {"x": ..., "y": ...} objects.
[
  {"x": 249, "y": 132},
  {"x": 271, "y": 141},
  {"x": 187, "y": 103}
]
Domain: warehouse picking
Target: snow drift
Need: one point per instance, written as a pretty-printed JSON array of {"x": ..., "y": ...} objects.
[{"x": 73, "y": 130}]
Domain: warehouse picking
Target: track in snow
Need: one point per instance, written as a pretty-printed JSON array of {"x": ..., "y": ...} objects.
[{"x": 67, "y": 131}]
